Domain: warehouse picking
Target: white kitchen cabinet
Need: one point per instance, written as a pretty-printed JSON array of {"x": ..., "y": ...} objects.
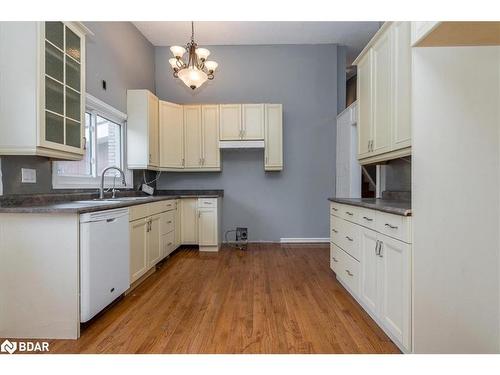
[
  {"x": 208, "y": 224},
  {"x": 189, "y": 221},
  {"x": 210, "y": 158},
  {"x": 394, "y": 280},
  {"x": 273, "y": 140},
  {"x": 155, "y": 250},
  {"x": 192, "y": 136},
  {"x": 42, "y": 89},
  {"x": 380, "y": 277},
  {"x": 401, "y": 86},
  {"x": 381, "y": 94},
  {"x": 230, "y": 122},
  {"x": 171, "y": 123},
  {"x": 178, "y": 224},
  {"x": 364, "y": 90},
  {"x": 384, "y": 85},
  {"x": 138, "y": 248},
  {"x": 369, "y": 290},
  {"x": 142, "y": 130},
  {"x": 252, "y": 122}
]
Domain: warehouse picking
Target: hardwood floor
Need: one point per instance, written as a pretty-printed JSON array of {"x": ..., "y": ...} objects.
[{"x": 271, "y": 298}]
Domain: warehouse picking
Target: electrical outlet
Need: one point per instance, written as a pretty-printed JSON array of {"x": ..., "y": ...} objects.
[
  {"x": 241, "y": 234},
  {"x": 28, "y": 176},
  {"x": 147, "y": 189}
]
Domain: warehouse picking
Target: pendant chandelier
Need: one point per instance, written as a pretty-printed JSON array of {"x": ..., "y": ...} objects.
[{"x": 197, "y": 70}]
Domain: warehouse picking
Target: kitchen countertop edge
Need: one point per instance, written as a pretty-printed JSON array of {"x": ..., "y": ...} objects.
[{"x": 402, "y": 208}]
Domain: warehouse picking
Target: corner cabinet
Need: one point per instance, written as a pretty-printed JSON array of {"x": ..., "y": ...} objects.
[
  {"x": 42, "y": 89},
  {"x": 142, "y": 130},
  {"x": 384, "y": 87}
]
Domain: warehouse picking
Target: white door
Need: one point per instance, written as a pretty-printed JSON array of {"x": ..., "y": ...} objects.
[
  {"x": 192, "y": 136},
  {"x": 189, "y": 221},
  {"x": 154, "y": 155},
  {"x": 394, "y": 276},
  {"x": 138, "y": 249},
  {"x": 273, "y": 142},
  {"x": 171, "y": 135},
  {"x": 368, "y": 262},
  {"x": 401, "y": 81},
  {"x": 342, "y": 180},
  {"x": 230, "y": 122},
  {"x": 365, "y": 115},
  {"x": 154, "y": 243},
  {"x": 207, "y": 226},
  {"x": 210, "y": 136},
  {"x": 382, "y": 97},
  {"x": 253, "y": 121}
]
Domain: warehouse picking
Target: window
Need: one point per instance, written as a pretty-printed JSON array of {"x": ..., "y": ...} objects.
[{"x": 104, "y": 147}]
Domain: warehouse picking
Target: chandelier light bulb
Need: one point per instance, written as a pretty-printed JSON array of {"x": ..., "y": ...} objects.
[
  {"x": 202, "y": 53},
  {"x": 211, "y": 65},
  {"x": 178, "y": 51},
  {"x": 193, "y": 77},
  {"x": 173, "y": 63}
]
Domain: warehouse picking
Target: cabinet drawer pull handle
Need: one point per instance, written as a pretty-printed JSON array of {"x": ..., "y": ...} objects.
[
  {"x": 349, "y": 213},
  {"x": 335, "y": 209},
  {"x": 169, "y": 244},
  {"x": 334, "y": 230},
  {"x": 391, "y": 226},
  {"x": 335, "y": 259},
  {"x": 349, "y": 238},
  {"x": 207, "y": 202},
  {"x": 169, "y": 222},
  {"x": 349, "y": 273},
  {"x": 367, "y": 218}
]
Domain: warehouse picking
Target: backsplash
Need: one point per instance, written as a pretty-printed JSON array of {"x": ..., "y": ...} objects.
[{"x": 398, "y": 175}]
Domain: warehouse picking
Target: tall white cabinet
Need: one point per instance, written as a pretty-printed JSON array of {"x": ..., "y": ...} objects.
[
  {"x": 42, "y": 65},
  {"x": 171, "y": 124},
  {"x": 273, "y": 142}
]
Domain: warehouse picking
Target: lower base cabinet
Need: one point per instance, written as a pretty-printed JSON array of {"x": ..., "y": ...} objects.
[
  {"x": 138, "y": 248},
  {"x": 381, "y": 280}
]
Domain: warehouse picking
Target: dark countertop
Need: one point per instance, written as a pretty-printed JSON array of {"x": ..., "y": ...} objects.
[
  {"x": 80, "y": 203},
  {"x": 397, "y": 207}
]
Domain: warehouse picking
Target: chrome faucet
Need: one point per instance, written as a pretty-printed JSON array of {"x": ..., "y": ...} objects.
[{"x": 101, "y": 189}]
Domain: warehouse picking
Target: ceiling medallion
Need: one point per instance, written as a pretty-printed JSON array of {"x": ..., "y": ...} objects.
[{"x": 197, "y": 70}]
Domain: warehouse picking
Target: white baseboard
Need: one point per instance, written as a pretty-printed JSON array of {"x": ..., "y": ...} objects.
[{"x": 304, "y": 240}]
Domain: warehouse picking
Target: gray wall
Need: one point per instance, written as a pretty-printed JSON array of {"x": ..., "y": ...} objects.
[
  {"x": 291, "y": 203},
  {"x": 119, "y": 54},
  {"x": 398, "y": 175}
]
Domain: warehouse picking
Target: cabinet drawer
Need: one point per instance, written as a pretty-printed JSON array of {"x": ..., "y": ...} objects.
[
  {"x": 162, "y": 206},
  {"x": 334, "y": 258},
  {"x": 167, "y": 222},
  {"x": 335, "y": 233},
  {"x": 138, "y": 212},
  {"x": 348, "y": 271},
  {"x": 207, "y": 202},
  {"x": 395, "y": 226},
  {"x": 349, "y": 238},
  {"x": 335, "y": 209},
  {"x": 168, "y": 243},
  {"x": 367, "y": 218}
]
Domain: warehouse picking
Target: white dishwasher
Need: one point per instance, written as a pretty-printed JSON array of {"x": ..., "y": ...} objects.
[{"x": 104, "y": 259}]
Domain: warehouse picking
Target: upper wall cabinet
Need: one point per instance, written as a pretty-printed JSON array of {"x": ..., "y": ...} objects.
[
  {"x": 384, "y": 85},
  {"x": 171, "y": 135},
  {"x": 42, "y": 89},
  {"x": 142, "y": 130},
  {"x": 242, "y": 122},
  {"x": 189, "y": 137},
  {"x": 273, "y": 149}
]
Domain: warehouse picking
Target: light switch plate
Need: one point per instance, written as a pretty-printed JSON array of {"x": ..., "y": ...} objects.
[{"x": 28, "y": 176}]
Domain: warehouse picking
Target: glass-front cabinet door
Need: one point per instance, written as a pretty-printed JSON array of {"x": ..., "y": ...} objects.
[{"x": 63, "y": 87}]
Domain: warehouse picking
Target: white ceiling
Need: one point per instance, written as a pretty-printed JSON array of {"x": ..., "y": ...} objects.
[{"x": 354, "y": 35}]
